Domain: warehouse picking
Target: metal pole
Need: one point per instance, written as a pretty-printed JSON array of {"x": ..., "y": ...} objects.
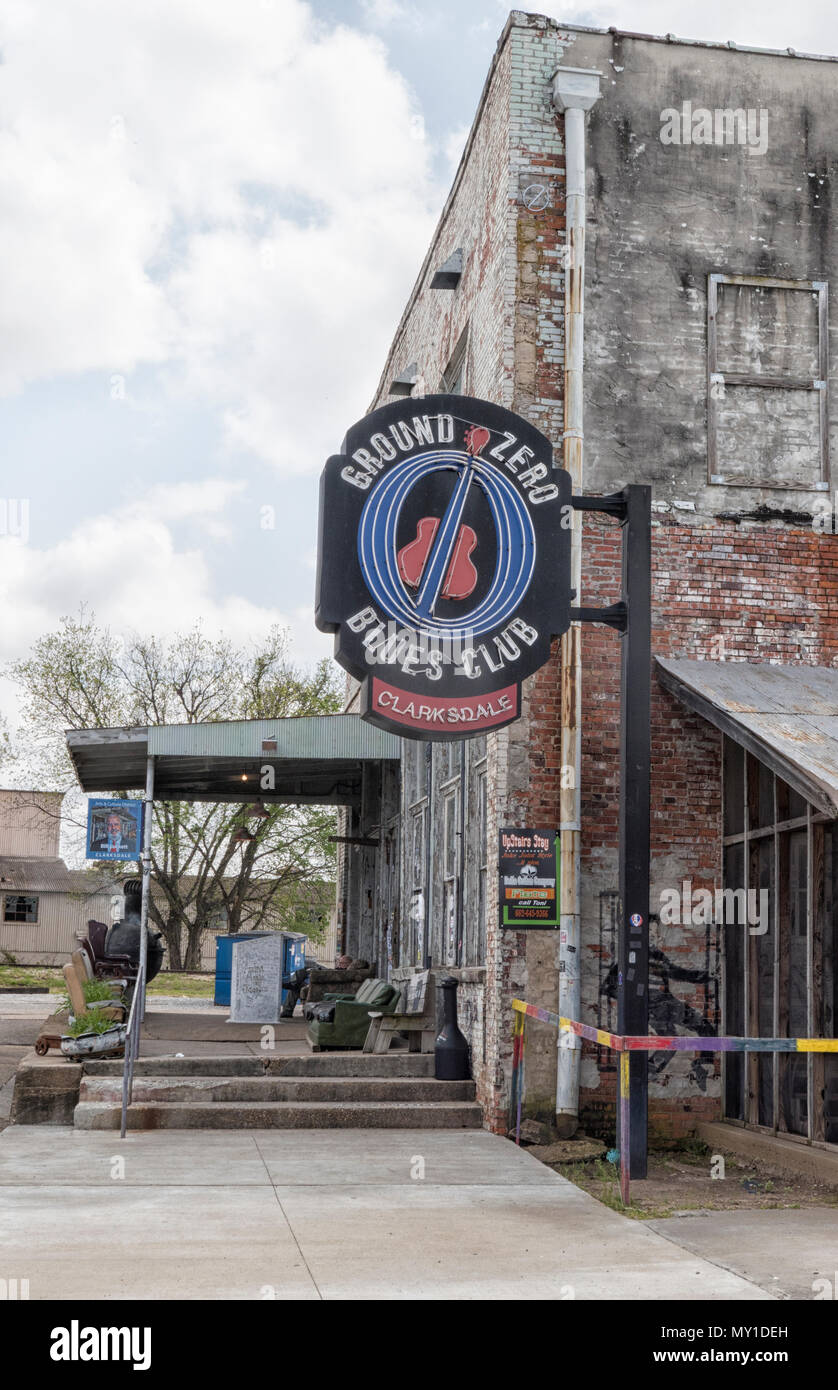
[
  {"x": 635, "y": 757},
  {"x": 461, "y": 889},
  {"x": 148, "y": 802},
  {"x": 624, "y": 1126},
  {"x": 426, "y": 944}
]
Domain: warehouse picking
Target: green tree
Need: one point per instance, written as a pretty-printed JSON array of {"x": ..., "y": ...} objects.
[{"x": 81, "y": 676}]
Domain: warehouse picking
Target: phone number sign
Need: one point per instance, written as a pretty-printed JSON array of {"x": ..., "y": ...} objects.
[{"x": 529, "y": 878}]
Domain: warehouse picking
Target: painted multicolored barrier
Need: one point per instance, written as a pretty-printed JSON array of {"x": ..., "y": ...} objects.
[{"x": 624, "y": 1044}]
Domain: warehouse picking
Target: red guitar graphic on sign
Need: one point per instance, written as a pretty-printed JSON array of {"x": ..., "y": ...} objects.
[{"x": 444, "y": 569}]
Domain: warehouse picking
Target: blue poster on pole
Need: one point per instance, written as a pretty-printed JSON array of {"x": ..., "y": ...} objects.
[{"x": 114, "y": 829}]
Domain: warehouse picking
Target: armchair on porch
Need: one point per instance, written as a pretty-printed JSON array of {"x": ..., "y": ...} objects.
[{"x": 344, "y": 1022}]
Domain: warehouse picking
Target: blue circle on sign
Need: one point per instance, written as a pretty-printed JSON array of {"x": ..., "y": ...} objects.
[
  {"x": 378, "y": 551},
  {"x": 636, "y": 919}
]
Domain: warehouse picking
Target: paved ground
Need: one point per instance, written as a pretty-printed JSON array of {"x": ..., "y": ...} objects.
[
  {"x": 344, "y": 1214},
  {"x": 195, "y": 1027},
  {"x": 338, "y": 1214},
  {"x": 173, "y": 1026},
  {"x": 785, "y": 1251},
  {"x": 21, "y": 1016}
]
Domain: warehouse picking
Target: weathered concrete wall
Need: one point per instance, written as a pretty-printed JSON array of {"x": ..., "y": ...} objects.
[
  {"x": 661, "y": 217},
  {"x": 46, "y": 1091}
]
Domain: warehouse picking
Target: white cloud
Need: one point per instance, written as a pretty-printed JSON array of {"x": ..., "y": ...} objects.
[
  {"x": 382, "y": 13},
  {"x": 204, "y": 502},
  {"x": 126, "y": 566},
  {"x": 239, "y": 192}
]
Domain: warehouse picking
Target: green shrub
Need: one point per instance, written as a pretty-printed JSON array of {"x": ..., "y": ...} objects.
[
  {"x": 90, "y": 1023},
  {"x": 94, "y": 990}
]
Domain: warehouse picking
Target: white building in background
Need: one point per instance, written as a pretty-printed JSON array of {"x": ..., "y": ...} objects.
[{"x": 43, "y": 904}]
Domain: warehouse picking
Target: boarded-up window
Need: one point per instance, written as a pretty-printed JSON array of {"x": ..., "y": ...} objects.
[
  {"x": 18, "y": 908},
  {"x": 767, "y": 411}
]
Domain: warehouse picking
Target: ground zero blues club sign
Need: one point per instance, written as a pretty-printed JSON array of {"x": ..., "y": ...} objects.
[{"x": 444, "y": 563}]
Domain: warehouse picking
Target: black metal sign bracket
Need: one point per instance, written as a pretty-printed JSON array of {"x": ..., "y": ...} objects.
[{"x": 631, "y": 616}]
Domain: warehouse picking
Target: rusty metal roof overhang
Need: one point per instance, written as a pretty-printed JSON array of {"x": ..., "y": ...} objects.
[
  {"x": 318, "y": 759},
  {"x": 787, "y": 716}
]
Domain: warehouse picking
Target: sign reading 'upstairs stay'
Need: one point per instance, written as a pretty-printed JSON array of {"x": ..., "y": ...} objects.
[{"x": 443, "y": 563}]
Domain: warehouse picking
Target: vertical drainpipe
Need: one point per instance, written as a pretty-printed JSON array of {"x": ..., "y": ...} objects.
[
  {"x": 426, "y": 945},
  {"x": 575, "y": 90}
]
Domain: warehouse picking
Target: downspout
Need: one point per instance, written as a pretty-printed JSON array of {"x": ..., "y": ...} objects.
[
  {"x": 426, "y": 944},
  {"x": 461, "y": 890},
  {"x": 575, "y": 90}
]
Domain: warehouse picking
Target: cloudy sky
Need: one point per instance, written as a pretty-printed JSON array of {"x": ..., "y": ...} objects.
[{"x": 212, "y": 213}]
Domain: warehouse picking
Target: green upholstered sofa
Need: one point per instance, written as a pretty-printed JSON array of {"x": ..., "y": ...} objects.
[{"x": 342, "y": 1020}]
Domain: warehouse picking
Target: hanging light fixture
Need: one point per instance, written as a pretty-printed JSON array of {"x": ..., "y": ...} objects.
[
  {"x": 242, "y": 836},
  {"x": 257, "y": 811}
]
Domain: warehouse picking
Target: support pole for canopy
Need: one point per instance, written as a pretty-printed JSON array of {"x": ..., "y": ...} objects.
[{"x": 148, "y": 803}]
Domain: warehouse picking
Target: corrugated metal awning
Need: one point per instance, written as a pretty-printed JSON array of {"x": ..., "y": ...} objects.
[
  {"x": 23, "y": 874},
  {"x": 316, "y": 759},
  {"x": 787, "y": 716}
]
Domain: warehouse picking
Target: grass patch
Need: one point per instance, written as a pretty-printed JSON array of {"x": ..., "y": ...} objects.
[
  {"x": 191, "y": 986},
  {"x": 681, "y": 1180},
  {"x": 181, "y": 983},
  {"x": 90, "y": 1023},
  {"x": 32, "y": 976}
]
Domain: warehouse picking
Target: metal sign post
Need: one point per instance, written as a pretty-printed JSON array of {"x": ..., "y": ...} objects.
[{"x": 632, "y": 618}]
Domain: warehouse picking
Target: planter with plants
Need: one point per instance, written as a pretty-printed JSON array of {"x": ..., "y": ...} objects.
[{"x": 93, "y": 1033}]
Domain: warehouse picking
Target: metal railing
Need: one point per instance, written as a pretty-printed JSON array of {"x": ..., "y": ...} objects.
[
  {"x": 137, "y": 1011},
  {"x": 132, "y": 1044},
  {"x": 625, "y": 1045}
]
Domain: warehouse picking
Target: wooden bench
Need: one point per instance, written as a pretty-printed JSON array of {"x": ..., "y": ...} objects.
[{"x": 415, "y": 1015}]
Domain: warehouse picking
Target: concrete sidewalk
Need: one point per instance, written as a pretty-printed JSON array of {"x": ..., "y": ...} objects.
[
  {"x": 328, "y": 1214},
  {"x": 790, "y": 1252}
]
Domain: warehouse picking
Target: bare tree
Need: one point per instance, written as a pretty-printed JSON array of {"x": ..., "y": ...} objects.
[{"x": 83, "y": 677}]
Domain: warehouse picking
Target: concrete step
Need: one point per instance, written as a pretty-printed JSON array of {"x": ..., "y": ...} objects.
[
  {"x": 358, "y": 1064},
  {"x": 180, "y": 1066},
  {"x": 283, "y": 1115},
  {"x": 203, "y": 1089}
]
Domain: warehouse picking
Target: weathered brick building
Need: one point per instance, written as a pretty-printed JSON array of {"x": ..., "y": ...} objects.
[{"x": 708, "y": 251}]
